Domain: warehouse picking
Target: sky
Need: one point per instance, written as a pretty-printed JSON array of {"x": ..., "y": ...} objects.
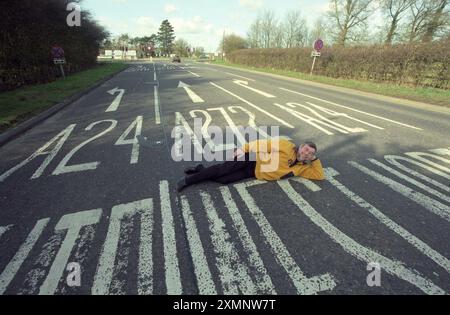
[{"x": 200, "y": 22}]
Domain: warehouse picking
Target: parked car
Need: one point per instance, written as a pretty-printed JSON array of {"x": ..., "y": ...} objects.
[{"x": 176, "y": 59}]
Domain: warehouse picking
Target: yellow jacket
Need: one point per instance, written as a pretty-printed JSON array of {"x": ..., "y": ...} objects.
[{"x": 274, "y": 157}]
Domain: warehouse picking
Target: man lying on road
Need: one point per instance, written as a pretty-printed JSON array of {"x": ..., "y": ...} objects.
[{"x": 263, "y": 159}]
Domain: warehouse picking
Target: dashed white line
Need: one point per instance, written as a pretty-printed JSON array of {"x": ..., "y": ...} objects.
[{"x": 16, "y": 262}]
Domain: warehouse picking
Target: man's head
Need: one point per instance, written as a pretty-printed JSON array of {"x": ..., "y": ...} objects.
[{"x": 307, "y": 151}]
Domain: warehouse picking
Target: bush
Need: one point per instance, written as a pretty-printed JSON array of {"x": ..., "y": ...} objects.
[
  {"x": 426, "y": 65},
  {"x": 29, "y": 30}
]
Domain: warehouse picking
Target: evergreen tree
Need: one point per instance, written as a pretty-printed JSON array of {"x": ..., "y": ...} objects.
[{"x": 166, "y": 37}]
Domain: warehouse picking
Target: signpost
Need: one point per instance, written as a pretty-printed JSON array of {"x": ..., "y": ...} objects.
[
  {"x": 58, "y": 58},
  {"x": 318, "y": 45}
]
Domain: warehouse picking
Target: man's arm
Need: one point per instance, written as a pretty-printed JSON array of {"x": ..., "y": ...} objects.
[{"x": 312, "y": 171}]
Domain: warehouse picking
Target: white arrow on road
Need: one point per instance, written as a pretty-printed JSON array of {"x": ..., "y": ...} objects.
[
  {"x": 245, "y": 84},
  {"x": 115, "y": 104},
  {"x": 194, "y": 97}
]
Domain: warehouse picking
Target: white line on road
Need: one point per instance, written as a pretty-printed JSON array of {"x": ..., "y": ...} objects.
[
  {"x": 355, "y": 249},
  {"x": 234, "y": 274},
  {"x": 172, "y": 271},
  {"x": 433, "y": 205},
  {"x": 392, "y": 159},
  {"x": 303, "y": 284},
  {"x": 420, "y": 156},
  {"x": 263, "y": 280},
  {"x": 254, "y": 106},
  {"x": 73, "y": 224},
  {"x": 105, "y": 269},
  {"x": 244, "y": 84},
  {"x": 145, "y": 278},
  {"x": 355, "y": 110},
  {"x": 194, "y": 97},
  {"x": 413, "y": 240},
  {"x": 16, "y": 262},
  {"x": 411, "y": 180},
  {"x": 115, "y": 104},
  {"x": 156, "y": 95},
  {"x": 41, "y": 151},
  {"x": 202, "y": 272},
  {"x": 239, "y": 76},
  {"x": 4, "y": 229}
]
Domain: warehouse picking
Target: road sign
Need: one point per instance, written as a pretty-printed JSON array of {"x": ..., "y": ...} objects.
[
  {"x": 318, "y": 44},
  {"x": 59, "y": 61},
  {"x": 315, "y": 54},
  {"x": 57, "y": 52}
]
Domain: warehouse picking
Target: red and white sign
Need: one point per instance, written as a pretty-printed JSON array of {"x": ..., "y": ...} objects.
[
  {"x": 318, "y": 44},
  {"x": 57, "y": 52}
]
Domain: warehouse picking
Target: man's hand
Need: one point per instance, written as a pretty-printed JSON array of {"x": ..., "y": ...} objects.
[{"x": 238, "y": 153}]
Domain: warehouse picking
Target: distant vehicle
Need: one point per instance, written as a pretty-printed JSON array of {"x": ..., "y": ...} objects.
[{"x": 176, "y": 59}]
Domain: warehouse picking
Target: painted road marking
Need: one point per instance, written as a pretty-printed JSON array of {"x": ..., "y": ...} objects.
[
  {"x": 61, "y": 138},
  {"x": 357, "y": 250},
  {"x": 263, "y": 280},
  {"x": 194, "y": 97},
  {"x": 336, "y": 114},
  {"x": 234, "y": 275},
  {"x": 115, "y": 104},
  {"x": 303, "y": 284},
  {"x": 350, "y": 108},
  {"x": 202, "y": 272},
  {"x": 239, "y": 76},
  {"x": 4, "y": 229},
  {"x": 133, "y": 141},
  {"x": 411, "y": 180},
  {"x": 254, "y": 106},
  {"x": 105, "y": 269},
  {"x": 73, "y": 224},
  {"x": 245, "y": 85},
  {"x": 393, "y": 159},
  {"x": 145, "y": 277},
  {"x": 420, "y": 156},
  {"x": 433, "y": 205},
  {"x": 172, "y": 271},
  {"x": 321, "y": 121},
  {"x": 396, "y": 228},
  {"x": 16, "y": 262},
  {"x": 63, "y": 168},
  {"x": 156, "y": 95}
]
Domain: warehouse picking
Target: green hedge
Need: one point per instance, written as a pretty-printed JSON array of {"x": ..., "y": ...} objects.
[
  {"x": 29, "y": 28},
  {"x": 426, "y": 65}
]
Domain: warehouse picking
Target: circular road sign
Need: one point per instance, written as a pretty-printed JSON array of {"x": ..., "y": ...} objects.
[{"x": 318, "y": 45}]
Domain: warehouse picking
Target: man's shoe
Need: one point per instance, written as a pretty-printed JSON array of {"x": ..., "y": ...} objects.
[
  {"x": 193, "y": 170},
  {"x": 181, "y": 184}
]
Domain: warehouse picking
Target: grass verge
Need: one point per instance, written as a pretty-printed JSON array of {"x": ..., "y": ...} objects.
[
  {"x": 421, "y": 94},
  {"x": 23, "y": 103}
]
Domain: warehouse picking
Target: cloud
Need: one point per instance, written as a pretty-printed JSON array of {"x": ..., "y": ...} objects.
[
  {"x": 195, "y": 25},
  {"x": 251, "y": 4},
  {"x": 170, "y": 8}
]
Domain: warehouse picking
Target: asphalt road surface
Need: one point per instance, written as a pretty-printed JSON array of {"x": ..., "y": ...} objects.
[{"x": 86, "y": 210}]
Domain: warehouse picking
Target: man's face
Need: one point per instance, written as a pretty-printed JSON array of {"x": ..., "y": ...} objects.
[{"x": 306, "y": 153}]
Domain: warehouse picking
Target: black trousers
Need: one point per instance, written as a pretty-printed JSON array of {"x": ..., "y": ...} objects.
[{"x": 225, "y": 173}]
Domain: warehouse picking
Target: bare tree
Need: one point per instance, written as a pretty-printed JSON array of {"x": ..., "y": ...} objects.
[
  {"x": 295, "y": 30},
  {"x": 438, "y": 17},
  {"x": 254, "y": 35},
  {"x": 349, "y": 18},
  {"x": 395, "y": 10},
  {"x": 419, "y": 13},
  {"x": 268, "y": 27}
]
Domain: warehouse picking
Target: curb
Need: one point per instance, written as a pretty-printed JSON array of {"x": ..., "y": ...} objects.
[
  {"x": 23, "y": 127},
  {"x": 379, "y": 97}
]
